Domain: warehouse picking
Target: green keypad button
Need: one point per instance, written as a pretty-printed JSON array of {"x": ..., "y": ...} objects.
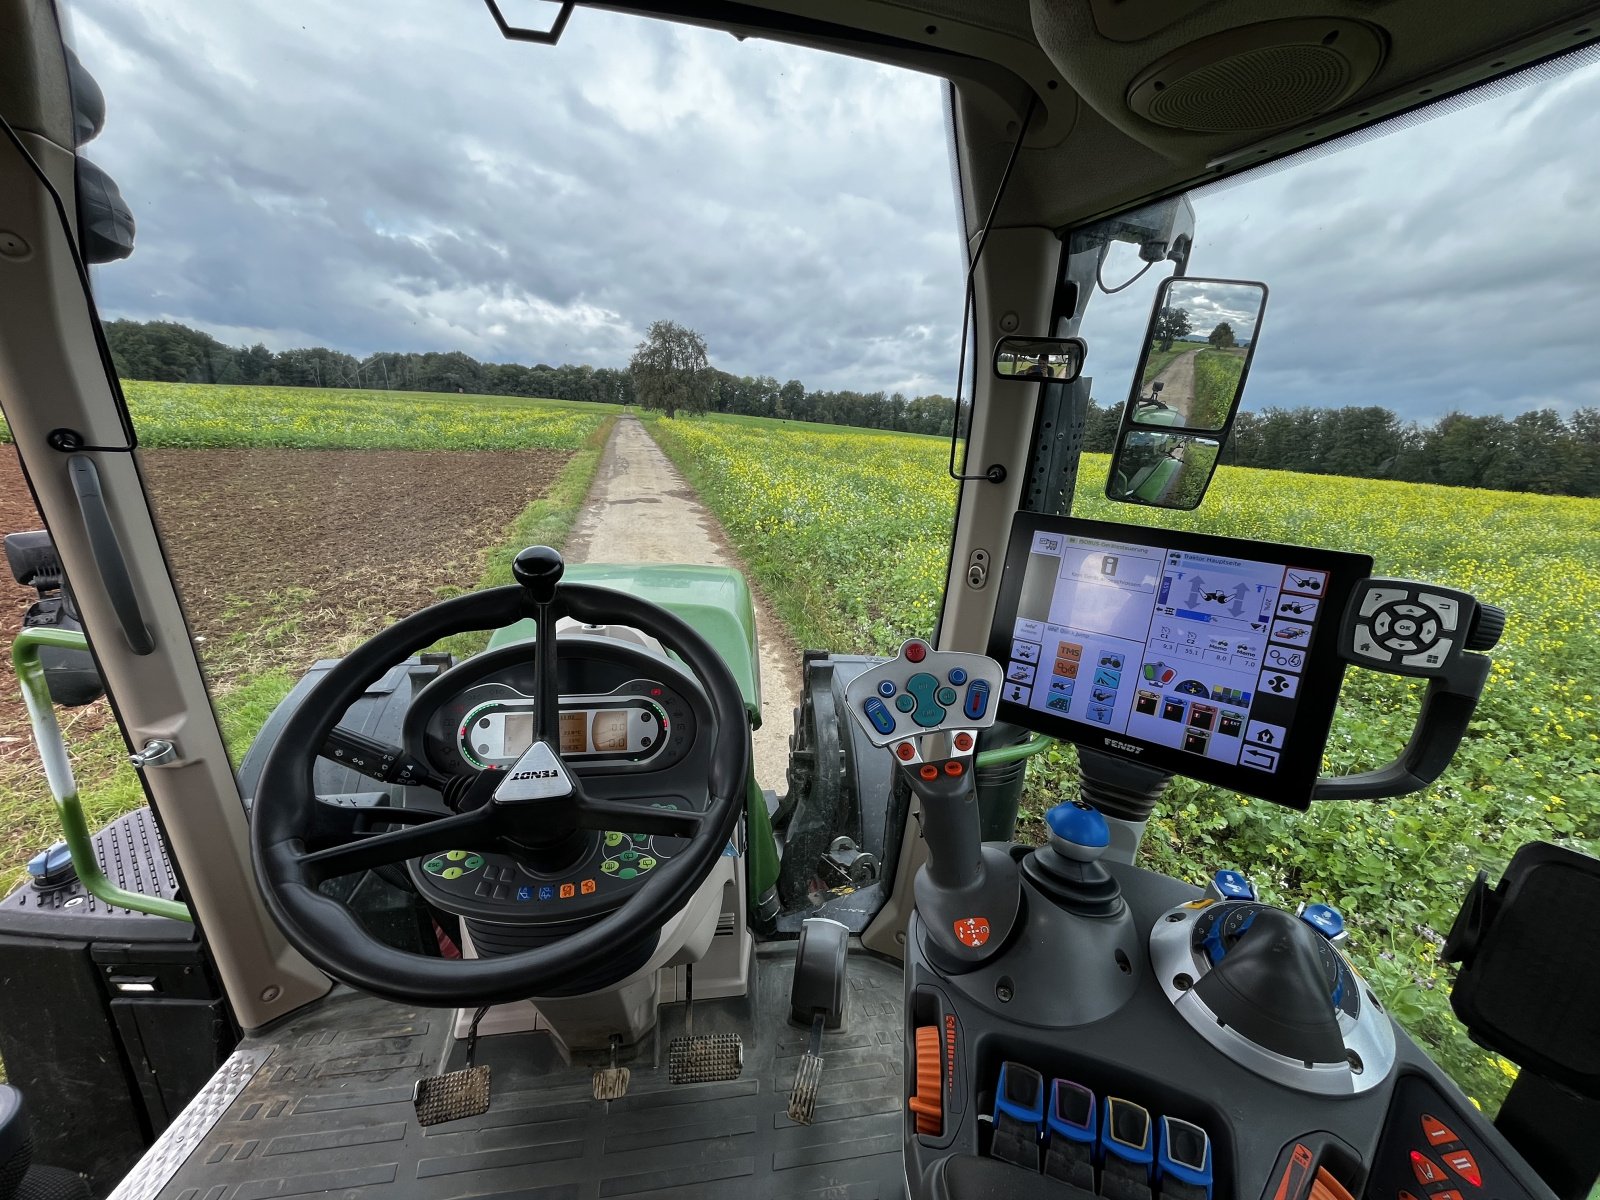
[
  {"x": 947, "y": 696},
  {"x": 904, "y": 702},
  {"x": 627, "y": 873},
  {"x": 614, "y": 839},
  {"x": 456, "y": 855},
  {"x": 474, "y": 861},
  {"x": 433, "y": 866},
  {"x": 609, "y": 866},
  {"x": 629, "y": 856},
  {"x": 646, "y": 863},
  {"x": 639, "y": 839},
  {"x": 452, "y": 872}
]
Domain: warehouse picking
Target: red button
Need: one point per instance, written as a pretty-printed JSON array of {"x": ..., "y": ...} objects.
[
  {"x": 1464, "y": 1165},
  {"x": 963, "y": 742},
  {"x": 953, "y": 768},
  {"x": 1436, "y": 1131},
  {"x": 916, "y": 651},
  {"x": 1426, "y": 1170},
  {"x": 929, "y": 771},
  {"x": 906, "y": 751},
  {"x": 1450, "y": 1194}
]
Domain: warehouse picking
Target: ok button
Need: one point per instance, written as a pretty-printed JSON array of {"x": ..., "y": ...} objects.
[{"x": 1405, "y": 627}]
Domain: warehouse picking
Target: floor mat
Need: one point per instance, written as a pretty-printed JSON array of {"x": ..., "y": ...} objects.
[{"x": 330, "y": 1111}]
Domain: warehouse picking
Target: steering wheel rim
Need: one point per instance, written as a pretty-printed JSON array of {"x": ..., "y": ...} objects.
[{"x": 329, "y": 934}]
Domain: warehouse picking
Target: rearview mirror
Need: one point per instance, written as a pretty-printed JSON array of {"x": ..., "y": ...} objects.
[
  {"x": 1162, "y": 468},
  {"x": 1197, "y": 354},
  {"x": 1057, "y": 360}
]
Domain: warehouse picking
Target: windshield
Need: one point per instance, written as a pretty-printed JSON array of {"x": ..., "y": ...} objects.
[{"x": 1423, "y": 390}]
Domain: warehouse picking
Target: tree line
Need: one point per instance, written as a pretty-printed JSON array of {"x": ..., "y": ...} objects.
[
  {"x": 1537, "y": 451},
  {"x": 168, "y": 352}
]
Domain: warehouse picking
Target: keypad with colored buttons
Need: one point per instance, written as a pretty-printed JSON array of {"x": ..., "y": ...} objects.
[
  {"x": 923, "y": 690},
  {"x": 1405, "y": 627}
]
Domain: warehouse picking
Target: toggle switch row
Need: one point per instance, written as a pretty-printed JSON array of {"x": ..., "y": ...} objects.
[{"x": 1070, "y": 1134}]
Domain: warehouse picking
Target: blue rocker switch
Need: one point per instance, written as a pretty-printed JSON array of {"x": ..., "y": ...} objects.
[
  {"x": 1128, "y": 1143},
  {"x": 1231, "y": 885},
  {"x": 1073, "y": 1127},
  {"x": 1018, "y": 1116},
  {"x": 1183, "y": 1161}
]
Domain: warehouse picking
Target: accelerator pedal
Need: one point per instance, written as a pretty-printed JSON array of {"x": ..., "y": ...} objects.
[
  {"x": 611, "y": 1083},
  {"x": 455, "y": 1094},
  {"x": 714, "y": 1058},
  {"x": 816, "y": 997}
]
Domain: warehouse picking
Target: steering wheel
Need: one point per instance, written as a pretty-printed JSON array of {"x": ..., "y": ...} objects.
[{"x": 298, "y": 841}]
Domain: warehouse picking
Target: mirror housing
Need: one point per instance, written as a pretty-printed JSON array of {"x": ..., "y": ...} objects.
[
  {"x": 1197, "y": 353},
  {"x": 1162, "y": 468},
  {"x": 1051, "y": 359}
]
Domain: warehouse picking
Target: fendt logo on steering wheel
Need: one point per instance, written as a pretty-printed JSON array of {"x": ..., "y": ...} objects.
[{"x": 536, "y": 775}]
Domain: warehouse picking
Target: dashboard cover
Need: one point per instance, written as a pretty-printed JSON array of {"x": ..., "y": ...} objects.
[{"x": 1211, "y": 657}]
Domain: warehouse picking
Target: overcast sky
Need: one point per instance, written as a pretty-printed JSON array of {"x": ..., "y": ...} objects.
[{"x": 401, "y": 178}]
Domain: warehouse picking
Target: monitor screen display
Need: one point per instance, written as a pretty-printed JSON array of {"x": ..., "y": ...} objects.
[{"x": 1209, "y": 657}]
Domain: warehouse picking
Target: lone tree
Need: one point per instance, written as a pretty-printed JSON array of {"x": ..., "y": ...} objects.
[
  {"x": 1222, "y": 337},
  {"x": 669, "y": 370},
  {"x": 1171, "y": 324}
]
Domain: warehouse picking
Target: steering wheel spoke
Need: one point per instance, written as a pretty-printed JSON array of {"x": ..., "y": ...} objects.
[{"x": 411, "y": 841}]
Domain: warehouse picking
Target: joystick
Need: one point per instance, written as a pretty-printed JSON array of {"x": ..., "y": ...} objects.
[
  {"x": 925, "y": 706},
  {"x": 1068, "y": 869}
]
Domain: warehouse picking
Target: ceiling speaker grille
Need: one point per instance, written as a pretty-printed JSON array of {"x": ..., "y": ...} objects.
[{"x": 1262, "y": 76}]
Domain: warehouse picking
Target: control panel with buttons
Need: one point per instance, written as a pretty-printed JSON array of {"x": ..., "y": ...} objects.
[
  {"x": 924, "y": 691},
  {"x": 1429, "y": 1151},
  {"x": 1407, "y": 628}
]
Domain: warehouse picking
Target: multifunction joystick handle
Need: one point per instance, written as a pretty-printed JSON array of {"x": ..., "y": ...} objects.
[{"x": 926, "y": 707}]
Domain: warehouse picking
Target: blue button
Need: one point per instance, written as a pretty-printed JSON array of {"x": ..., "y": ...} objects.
[
  {"x": 957, "y": 676},
  {"x": 1078, "y": 823},
  {"x": 1185, "y": 1153},
  {"x": 1231, "y": 885},
  {"x": 1020, "y": 1095},
  {"x": 524, "y": 893},
  {"x": 977, "y": 699},
  {"x": 1324, "y": 918},
  {"x": 547, "y": 892},
  {"x": 882, "y": 719},
  {"x": 886, "y": 688},
  {"x": 1072, "y": 1112},
  {"x": 51, "y": 861},
  {"x": 1125, "y": 1132}
]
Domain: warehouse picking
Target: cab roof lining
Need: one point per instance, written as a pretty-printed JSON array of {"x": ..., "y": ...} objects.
[{"x": 1081, "y": 58}]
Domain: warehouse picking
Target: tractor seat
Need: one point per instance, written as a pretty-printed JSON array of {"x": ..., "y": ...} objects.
[{"x": 19, "y": 1178}]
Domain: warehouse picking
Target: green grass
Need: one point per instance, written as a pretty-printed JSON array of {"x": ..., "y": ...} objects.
[
  {"x": 1216, "y": 382},
  {"x": 848, "y": 533},
  {"x": 210, "y": 416}
]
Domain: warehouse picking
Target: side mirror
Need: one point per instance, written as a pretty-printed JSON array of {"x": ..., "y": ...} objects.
[
  {"x": 1197, "y": 354},
  {"x": 1161, "y": 468},
  {"x": 1056, "y": 360}
]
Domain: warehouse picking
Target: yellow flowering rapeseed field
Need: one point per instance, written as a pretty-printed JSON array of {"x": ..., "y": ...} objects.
[
  {"x": 848, "y": 532},
  {"x": 196, "y": 415}
]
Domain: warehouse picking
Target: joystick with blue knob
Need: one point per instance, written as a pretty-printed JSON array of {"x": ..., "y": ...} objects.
[{"x": 1068, "y": 870}]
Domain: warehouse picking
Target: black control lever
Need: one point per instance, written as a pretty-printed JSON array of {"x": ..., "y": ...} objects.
[
  {"x": 926, "y": 707},
  {"x": 376, "y": 760},
  {"x": 539, "y": 569},
  {"x": 1421, "y": 630}
]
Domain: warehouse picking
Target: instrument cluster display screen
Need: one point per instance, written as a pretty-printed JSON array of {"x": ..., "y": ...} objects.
[{"x": 1209, "y": 657}]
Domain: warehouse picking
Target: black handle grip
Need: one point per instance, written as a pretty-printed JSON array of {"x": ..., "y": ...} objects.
[
  {"x": 950, "y": 826},
  {"x": 109, "y": 559},
  {"x": 1447, "y": 708}
]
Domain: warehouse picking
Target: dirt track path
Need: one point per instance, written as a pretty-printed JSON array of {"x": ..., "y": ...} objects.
[
  {"x": 1177, "y": 383},
  {"x": 640, "y": 509}
]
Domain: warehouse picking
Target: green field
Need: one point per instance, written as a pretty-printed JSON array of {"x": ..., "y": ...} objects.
[
  {"x": 1216, "y": 382},
  {"x": 207, "y": 416},
  {"x": 847, "y": 532}
]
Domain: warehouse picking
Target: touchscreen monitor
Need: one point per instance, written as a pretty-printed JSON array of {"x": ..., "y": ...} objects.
[{"x": 1205, "y": 656}]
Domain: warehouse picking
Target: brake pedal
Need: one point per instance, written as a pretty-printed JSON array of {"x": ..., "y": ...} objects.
[
  {"x": 455, "y": 1094},
  {"x": 713, "y": 1058}
]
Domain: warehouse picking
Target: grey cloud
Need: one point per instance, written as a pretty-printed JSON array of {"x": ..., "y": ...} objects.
[{"x": 305, "y": 174}]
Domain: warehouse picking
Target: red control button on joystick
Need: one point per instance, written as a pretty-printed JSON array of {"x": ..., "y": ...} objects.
[
  {"x": 963, "y": 742},
  {"x": 905, "y": 750},
  {"x": 916, "y": 652},
  {"x": 1426, "y": 1170},
  {"x": 1464, "y": 1165},
  {"x": 1437, "y": 1132}
]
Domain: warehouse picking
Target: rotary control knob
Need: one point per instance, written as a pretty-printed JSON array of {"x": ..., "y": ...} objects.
[
  {"x": 1078, "y": 831},
  {"x": 1488, "y": 623}
]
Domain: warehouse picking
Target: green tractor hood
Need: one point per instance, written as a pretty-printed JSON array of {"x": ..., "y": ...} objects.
[{"x": 715, "y": 600}]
